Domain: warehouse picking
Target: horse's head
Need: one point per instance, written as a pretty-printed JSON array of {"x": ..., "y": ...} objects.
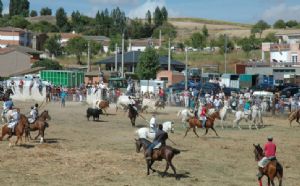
[
  {"x": 45, "y": 115},
  {"x": 9, "y": 92},
  {"x": 138, "y": 145},
  {"x": 258, "y": 152}
]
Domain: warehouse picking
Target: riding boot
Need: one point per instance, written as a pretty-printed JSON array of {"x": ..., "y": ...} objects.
[{"x": 10, "y": 132}]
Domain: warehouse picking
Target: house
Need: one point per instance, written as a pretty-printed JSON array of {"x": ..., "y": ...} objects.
[
  {"x": 13, "y": 61},
  {"x": 285, "y": 52},
  {"x": 170, "y": 77},
  {"x": 131, "y": 60},
  {"x": 142, "y": 44},
  {"x": 34, "y": 54},
  {"x": 14, "y": 36}
]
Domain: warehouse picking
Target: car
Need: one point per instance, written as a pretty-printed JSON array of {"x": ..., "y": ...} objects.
[
  {"x": 289, "y": 91},
  {"x": 229, "y": 91}
]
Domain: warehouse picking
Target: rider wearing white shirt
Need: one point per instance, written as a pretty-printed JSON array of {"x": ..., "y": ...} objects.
[
  {"x": 14, "y": 119},
  {"x": 33, "y": 115}
]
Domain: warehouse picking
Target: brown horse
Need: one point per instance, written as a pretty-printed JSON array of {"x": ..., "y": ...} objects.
[
  {"x": 194, "y": 122},
  {"x": 132, "y": 114},
  {"x": 21, "y": 126},
  {"x": 103, "y": 105},
  {"x": 165, "y": 152},
  {"x": 272, "y": 169},
  {"x": 40, "y": 124},
  {"x": 294, "y": 115}
]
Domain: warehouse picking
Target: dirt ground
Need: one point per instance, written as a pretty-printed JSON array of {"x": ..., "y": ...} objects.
[{"x": 78, "y": 152}]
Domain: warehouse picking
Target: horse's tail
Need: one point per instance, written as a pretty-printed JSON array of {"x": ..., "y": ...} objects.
[
  {"x": 175, "y": 151},
  {"x": 1, "y": 130}
]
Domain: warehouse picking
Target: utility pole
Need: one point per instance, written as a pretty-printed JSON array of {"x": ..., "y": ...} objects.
[
  {"x": 122, "y": 72},
  {"x": 159, "y": 38},
  {"x": 116, "y": 57},
  {"x": 89, "y": 59},
  {"x": 225, "y": 50},
  {"x": 186, "y": 68},
  {"x": 169, "y": 56}
]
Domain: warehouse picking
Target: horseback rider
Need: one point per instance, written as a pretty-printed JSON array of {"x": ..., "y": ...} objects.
[
  {"x": 36, "y": 108},
  {"x": 33, "y": 115},
  {"x": 159, "y": 140},
  {"x": 270, "y": 154},
  {"x": 14, "y": 119},
  {"x": 203, "y": 115},
  {"x": 132, "y": 102},
  {"x": 153, "y": 124}
]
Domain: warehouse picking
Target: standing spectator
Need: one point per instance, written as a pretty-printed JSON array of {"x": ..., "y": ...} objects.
[
  {"x": 31, "y": 86},
  {"x": 161, "y": 94},
  {"x": 63, "y": 96},
  {"x": 21, "y": 85},
  {"x": 186, "y": 95}
]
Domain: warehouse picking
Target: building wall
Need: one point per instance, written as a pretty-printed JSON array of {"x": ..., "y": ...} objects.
[
  {"x": 13, "y": 62},
  {"x": 173, "y": 77},
  {"x": 280, "y": 56}
]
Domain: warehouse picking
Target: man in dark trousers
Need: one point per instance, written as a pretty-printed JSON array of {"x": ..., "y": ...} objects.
[{"x": 160, "y": 138}]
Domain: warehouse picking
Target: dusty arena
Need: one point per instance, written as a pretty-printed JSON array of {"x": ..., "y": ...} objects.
[{"x": 81, "y": 152}]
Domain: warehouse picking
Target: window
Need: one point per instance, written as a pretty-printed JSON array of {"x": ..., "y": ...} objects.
[
  {"x": 294, "y": 58},
  {"x": 165, "y": 79}
]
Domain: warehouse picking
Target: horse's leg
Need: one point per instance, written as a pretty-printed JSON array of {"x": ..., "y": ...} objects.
[
  {"x": 187, "y": 130},
  {"x": 166, "y": 169},
  {"x": 194, "y": 129},
  {"x": 268, "y": 181},
  {"x": 42, "y": 135},
  {"x": 150, "y": 166},
  {"x": 206, "y": 130},
  {"x": 174, "y": 170},
  {"x": 214, "y": 130},
  {"x": 272, "y": 182},
  {"x": 37, "y": 135}
]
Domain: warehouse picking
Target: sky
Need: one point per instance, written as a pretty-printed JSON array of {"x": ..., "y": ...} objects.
[{"x": 243, "y": 11}]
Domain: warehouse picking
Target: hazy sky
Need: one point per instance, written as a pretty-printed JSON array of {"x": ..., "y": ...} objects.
[{"x": 246, "y": 11}]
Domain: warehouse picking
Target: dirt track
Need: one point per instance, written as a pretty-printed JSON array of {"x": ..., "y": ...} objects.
[{"x": 78, "y": 152}]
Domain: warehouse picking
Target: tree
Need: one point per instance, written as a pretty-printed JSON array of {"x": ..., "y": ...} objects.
[
  {"x": 148, "y": 64},
  {"x": 197, "y": 40},
  {"x": 62, "y": 20},
  {"x": 291, "y": 23},
  {"x": 45, "y": 11},
  {"x": 43, "y": 26},
  {"x": 249, "y": 44},
  {"x": 53, "y": 45},
  {"x": 19, "y": 22},
  {"x": 221, "y": 42},
  {"x": 271, "y": 38},
  {"x": 1, "y": 8},
  {"x": 33, "y": 13},
  {"x": 77, "y": 46},
  {"x": 259, "y": 27},
  {"x": 48, "y": 64},
  {"x": 167, "y": 30},
  {"x": 117, "y": 39},
  {"x": 158, "y": 17},
  {"x": 19, "y": 7},
  {"x": 148, "y": 17},
  {"x": 205, "y": 31},
  {"x": 164, "y": 13},
  {"x": 95, "y": 47},
  {"x": 279, "y": 24}
]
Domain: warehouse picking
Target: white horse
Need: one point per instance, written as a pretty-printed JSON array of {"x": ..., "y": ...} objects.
[
  {"x": 239, "y": 116},
  {"x": 256, "y": 117},
  {"x": 223, "y": 114},
  {"x": 144, "y": 132},
  {"x": 185, "y": 114}
]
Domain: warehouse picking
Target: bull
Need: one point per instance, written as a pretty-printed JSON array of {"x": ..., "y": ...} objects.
[{"x": 93, "y": 112}]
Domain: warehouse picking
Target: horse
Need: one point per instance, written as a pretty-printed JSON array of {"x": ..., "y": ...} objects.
[
  {"x": 294, "y": 115},
  {"x": 144, "y": 132},
  {"x": 194, "y": 122},
  {"x": 256, "y": 117},
  {"x": 6, "y": 95},
  {"x": 165, "y": 152},
  {"x": 40, "y": 124},
  {"x": 272, "y": 169},
  {"x": 239, "y": 116},
  {"x": 223, "y": 114},
  {"x": 21, "y": 126},
  {"x": 132, "y": 114},
  {"x": 185, "y": 114},
  {"x": 102, "y": 104}
]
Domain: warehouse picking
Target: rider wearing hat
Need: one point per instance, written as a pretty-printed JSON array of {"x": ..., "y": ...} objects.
[
  {"x": 159, "y": 140},
  {"x": 270, "y": 154}
]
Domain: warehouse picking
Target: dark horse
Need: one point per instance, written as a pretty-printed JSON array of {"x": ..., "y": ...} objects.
[
  {"x": 272, "y": 169},
  {"x": 165, "y": 152},
  {"x": 21, "y": 126},
  {"x": 132, "y": 114},
  {"x": 4, "y": 96},
  {"x": 194, "y": 122},
  {"x": 40, "y": 124}
]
